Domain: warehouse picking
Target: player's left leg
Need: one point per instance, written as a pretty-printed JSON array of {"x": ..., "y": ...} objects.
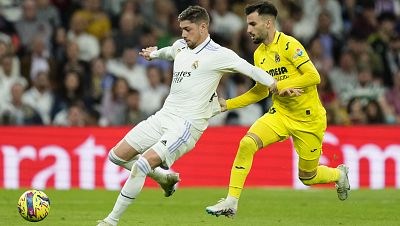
[
  {"x": 308, "y": 144},
  {"x": 265, "y": 131},
  {"x": 133, "y": 184}
]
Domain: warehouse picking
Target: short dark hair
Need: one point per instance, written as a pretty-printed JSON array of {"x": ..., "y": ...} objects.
[
  {"x": 262, "y": 8},
  {"x": 194, "y": 14}
]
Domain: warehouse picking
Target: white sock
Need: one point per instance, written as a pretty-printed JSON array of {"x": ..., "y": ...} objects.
[
  {"x": 158, "y": 174},
  {"x": 130, "y": 190}
]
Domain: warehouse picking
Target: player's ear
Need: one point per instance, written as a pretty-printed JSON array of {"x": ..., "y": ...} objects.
[{"x": 203, "y": 27}]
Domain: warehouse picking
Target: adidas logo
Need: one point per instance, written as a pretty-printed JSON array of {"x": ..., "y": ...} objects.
[{"x": 164, "y": 142}]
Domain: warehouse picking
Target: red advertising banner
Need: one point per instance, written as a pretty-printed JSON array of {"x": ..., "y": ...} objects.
[{"x": 64, "y": 158}]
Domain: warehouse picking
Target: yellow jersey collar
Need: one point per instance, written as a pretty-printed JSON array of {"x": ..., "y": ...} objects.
[{"x": 276, "y": 37}]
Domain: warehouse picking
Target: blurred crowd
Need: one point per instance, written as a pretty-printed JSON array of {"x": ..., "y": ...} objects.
[{"x": 76, "y": 63}]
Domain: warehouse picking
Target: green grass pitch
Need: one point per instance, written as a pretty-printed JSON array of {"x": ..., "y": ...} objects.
[{"x": 187, "y": 207}]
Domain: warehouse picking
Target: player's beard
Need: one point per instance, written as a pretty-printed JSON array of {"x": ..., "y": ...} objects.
[{"x": 258, "y": 40}]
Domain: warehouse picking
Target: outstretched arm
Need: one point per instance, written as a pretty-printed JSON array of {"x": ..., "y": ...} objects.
[
  {"x": 153, "y": 53},
  {"x": 255, "y": 94},
  {"x": 166, "y": 53}
]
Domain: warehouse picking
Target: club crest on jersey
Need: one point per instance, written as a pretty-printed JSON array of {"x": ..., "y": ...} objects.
[
  {"x": 195, "y": 64},
  {"x": 298, "y": 53},
  {"x": 277, "y": 58}
]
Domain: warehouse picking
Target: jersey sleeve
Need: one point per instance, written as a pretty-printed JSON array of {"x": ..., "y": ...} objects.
[
  {"x": 169, "y": 52},
  {"x": 255, "y": 94},
  {"x": 295, "y": 53},
  {"x": 229, "y": 61}
]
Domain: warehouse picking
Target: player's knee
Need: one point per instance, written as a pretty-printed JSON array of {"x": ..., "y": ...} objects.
[
  {"x": 248, "y": 144},
  {"x": 307, "y": 177},
  {"x": 114, "y": 158}
]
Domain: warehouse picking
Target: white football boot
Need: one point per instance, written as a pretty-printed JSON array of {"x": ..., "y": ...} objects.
[
  {"x": 226, "y": 207},
  {"x": 170, "y": 184},
  {"x": 343, "y": 185}
]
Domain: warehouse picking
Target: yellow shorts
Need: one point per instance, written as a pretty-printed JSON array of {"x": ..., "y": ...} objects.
[{"x": 307, "y": 136}]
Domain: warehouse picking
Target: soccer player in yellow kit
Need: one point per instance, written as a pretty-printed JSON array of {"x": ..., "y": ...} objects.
[{"x": 293, "y": 113}]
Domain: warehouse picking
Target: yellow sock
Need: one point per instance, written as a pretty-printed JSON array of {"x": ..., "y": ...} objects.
[
  {"x": 242, "y": 165},
  {"x": 324, "y": 175}
]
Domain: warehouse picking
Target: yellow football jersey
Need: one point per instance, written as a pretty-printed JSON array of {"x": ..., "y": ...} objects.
[{"x": 282, "y": 60}]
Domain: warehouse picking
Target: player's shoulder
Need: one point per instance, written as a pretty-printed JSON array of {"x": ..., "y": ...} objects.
[
  {"x": 285, "y": 40},
  {"x": 213, "y": 46},
  {"x": 180, "y": 43}
]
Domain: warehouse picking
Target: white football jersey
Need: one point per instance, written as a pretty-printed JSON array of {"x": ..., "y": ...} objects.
[{"x": 196, "y": 75}]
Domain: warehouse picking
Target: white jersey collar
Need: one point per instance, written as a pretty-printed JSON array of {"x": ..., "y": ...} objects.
[{"x": 200, "y": 47}]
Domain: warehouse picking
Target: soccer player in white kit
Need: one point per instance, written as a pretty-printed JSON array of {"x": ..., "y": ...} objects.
[{"x": 164, "y": 137}]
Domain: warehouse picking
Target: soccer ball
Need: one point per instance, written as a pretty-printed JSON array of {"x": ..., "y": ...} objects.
[{"x": 34, "y": 205}]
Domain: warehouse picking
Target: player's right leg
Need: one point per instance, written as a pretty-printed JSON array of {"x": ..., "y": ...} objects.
[{"x": 259, "y": 135}]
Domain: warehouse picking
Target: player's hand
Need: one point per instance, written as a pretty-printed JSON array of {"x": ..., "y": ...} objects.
[
  {"x": 222, "y": 103},
  {"x": 290, "y": 92},
  {"x": 273, "y": 89},
  {"x": 145, "y": 53}
]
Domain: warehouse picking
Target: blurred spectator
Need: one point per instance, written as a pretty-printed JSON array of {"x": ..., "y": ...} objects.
[
  {"x": 163, "y": 13},
  {"x": 393, "y": 54},
  {"x": 134, "y": 114},
  {"x": 128, "y": 34},
  {"x": 374, "y": 113},
  {"x": 365, "y": 89},
  {"x": 73, "y": 63},
  {"x": 8, "y": 33},
  {"x": 71, "y": 92},
  {"x": 59, "y": 44},
  {"x": 225, "y": 23},
  {"x": 316, "y": 52},
  {"x": 387, "y": 6},
  {"x": 11, "y": 10},
  {"x": 100, "y": 82},
  {"x": 15, "y": 112},
  {"x": 98, "y": 23},
  {"x": 48, "y": 13},
  {"x": 88, "y": 45},
  {"x": 393, "y": 97},
  {"x": 344, "y": 76},
  {"x": 380, "y": 43},
  {"x": 113, "y": 104},
  {"x": 153, "y": 98},
  {"x": 128, "y": 69},
  {"x": 37, "y": 59},
  {"x": 332, "y": 8},
  {"x": 356, "y": 112},
  {"x": 350, "y": 11},
  {"x": 74, "y": 115},
  {"x": 331, "y": 43},
  {"x": 29, "y": 26},
  {"x": 363, "y": 54},
  {"x": 366, "y": 23},
  {"x": 40, "y": 96},
  {"x": 9, "y": 75}
]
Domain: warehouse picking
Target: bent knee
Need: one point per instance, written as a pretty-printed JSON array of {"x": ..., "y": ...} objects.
[
  {"x": 307, "y": 177},
  {"x": 249, "y": 142},
  {"x": 114, "y": 158}
]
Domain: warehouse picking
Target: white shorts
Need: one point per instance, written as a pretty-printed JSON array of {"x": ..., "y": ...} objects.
[{"x": 168, "y": 135}]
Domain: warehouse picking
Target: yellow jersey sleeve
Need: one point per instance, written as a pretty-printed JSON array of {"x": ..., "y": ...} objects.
[
  {"x": 255, "y": 94},
  {"x": 308, "y": 73}
]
